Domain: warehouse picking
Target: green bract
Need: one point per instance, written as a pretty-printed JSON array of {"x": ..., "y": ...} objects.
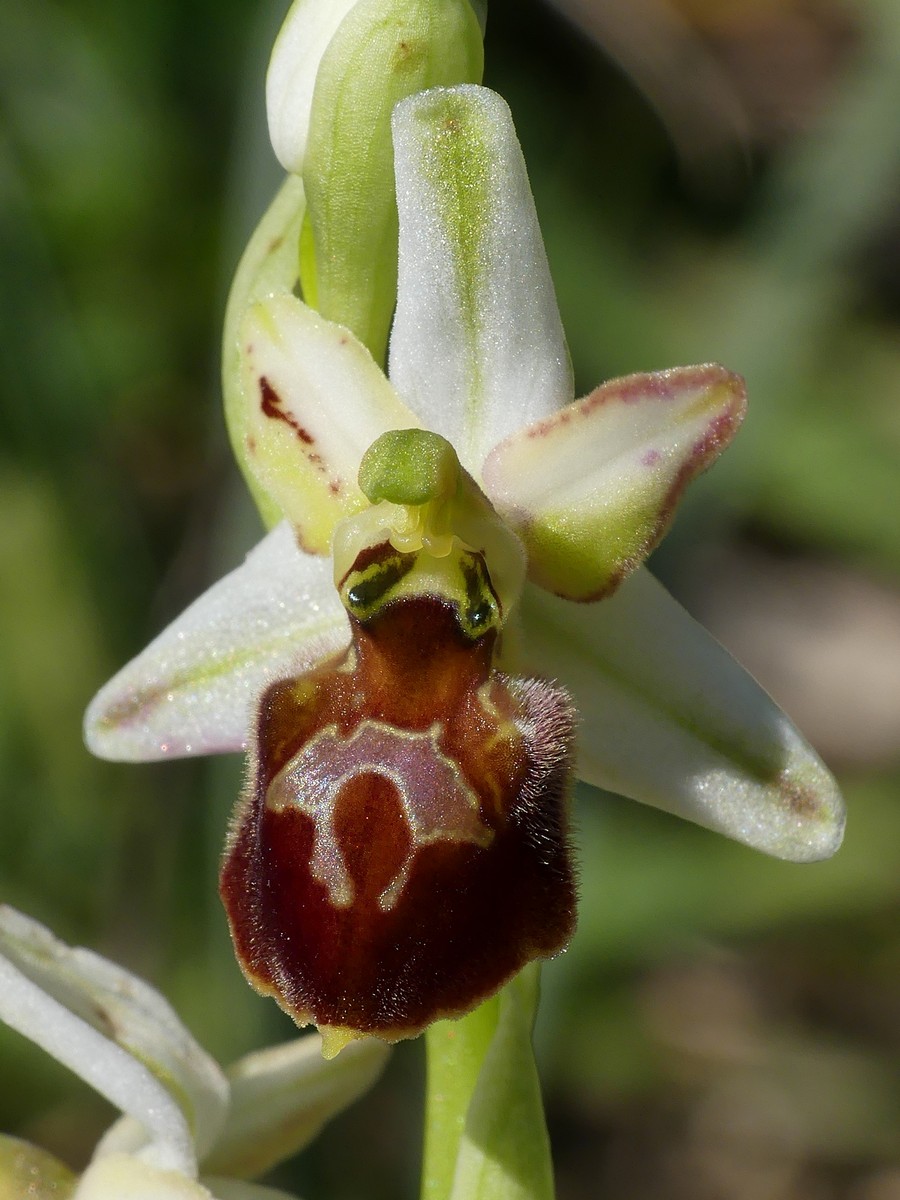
[{"x": 483, "y": 1067}]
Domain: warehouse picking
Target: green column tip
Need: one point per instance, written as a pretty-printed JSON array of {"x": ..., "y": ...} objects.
[{"x": 409, "y": 466}]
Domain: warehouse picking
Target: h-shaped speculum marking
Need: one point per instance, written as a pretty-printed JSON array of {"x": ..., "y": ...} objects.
[{"x": 437, "y": 802}]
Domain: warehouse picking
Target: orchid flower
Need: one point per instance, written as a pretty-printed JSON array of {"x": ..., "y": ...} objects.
[
  {"x": 451, "y": 622},
  {"x": 121, "y": 1036}
]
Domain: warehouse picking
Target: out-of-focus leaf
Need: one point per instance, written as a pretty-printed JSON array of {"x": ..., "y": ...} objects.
[{"x": 281, "y": 1098}]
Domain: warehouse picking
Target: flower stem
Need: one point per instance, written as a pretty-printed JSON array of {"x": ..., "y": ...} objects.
[{"x": 485, "y": 1134}]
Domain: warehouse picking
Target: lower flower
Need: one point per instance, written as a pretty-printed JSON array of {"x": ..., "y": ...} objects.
[{"x": 191, "y": 1131}]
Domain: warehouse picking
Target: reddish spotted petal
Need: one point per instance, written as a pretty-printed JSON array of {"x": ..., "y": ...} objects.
[
  {"x": 593, "y": 488},
  {"x": 314, "y": 401}
]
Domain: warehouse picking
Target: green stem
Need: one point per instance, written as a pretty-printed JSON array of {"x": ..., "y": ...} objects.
[
  {"x": 456, "y": 1051},
  {"x": 485, "y": 1134}
]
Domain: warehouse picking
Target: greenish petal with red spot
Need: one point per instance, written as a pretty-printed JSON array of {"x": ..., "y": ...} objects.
[{"x": 592, "y": 489}]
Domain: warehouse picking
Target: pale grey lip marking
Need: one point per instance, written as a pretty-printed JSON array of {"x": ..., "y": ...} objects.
[{"x": 437, "y": 802}]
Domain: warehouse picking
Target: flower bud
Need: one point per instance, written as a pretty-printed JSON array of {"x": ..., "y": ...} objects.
[
  {"x": 302, "y": 40},
  {"x": 381, "y": 52}
]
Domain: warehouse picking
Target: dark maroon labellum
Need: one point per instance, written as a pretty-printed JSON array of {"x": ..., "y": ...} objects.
[{"x": 400, "y": 850}]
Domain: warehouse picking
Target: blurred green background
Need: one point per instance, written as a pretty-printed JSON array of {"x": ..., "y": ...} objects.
[{"x": 716, "y": 179}]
